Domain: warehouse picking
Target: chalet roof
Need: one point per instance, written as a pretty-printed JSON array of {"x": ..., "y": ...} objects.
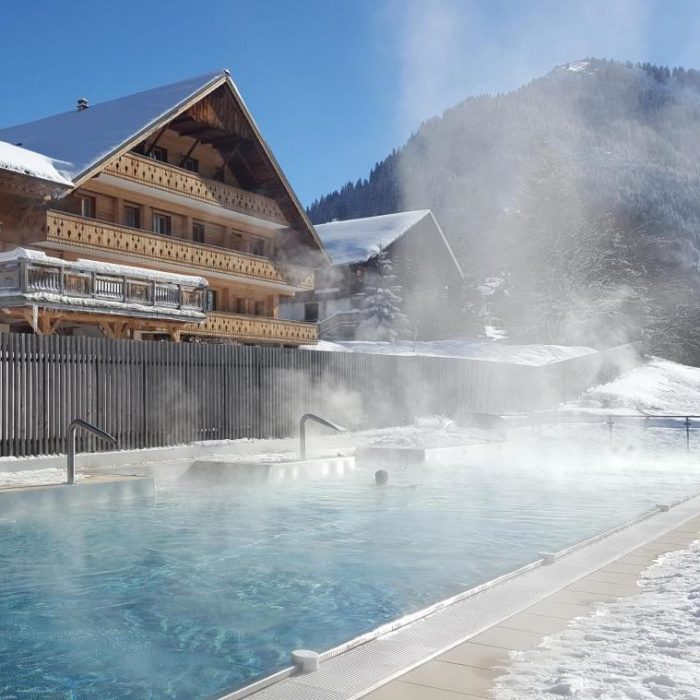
[
  {"x": 79, "y": 140},
  {"x": 25, "y": 162},
  {"x": 356, "y": 240}
]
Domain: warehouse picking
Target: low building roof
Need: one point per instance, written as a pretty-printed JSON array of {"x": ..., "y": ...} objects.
[
  {"x": 357, "y": 240},
  {"x": 25, "y": 162}
]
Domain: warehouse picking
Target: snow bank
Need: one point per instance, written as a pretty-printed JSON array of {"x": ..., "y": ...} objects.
[
  {"x": 21, "y": 160},
  {"x": 492, "y": 351},
  {"x": 660, "y": 386},
  {"x": 640, "y": 647}
]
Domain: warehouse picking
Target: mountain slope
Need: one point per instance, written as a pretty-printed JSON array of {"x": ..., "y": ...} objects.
[{"x": 595, "y": 166}]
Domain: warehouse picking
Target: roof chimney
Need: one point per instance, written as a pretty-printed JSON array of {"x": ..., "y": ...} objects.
[{"x": 82, "y": 104}]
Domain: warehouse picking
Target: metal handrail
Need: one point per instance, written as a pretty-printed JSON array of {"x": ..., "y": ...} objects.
[
  {"x": 302, "y": 430},
  {"x": 610, "y": 418},
  {"x": 70, "y": 439}
]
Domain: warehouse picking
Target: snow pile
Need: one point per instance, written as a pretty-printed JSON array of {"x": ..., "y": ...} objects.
[
  {"x": 357, "y": 240},
  {"x": 640, "y": 647},
  {"x": 491, "y": 351},
  {"x": 20, "y": 160},
  {"x": 660, "y": 386}
]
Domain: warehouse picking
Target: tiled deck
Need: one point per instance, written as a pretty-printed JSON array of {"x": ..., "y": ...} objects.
[{"x": 470, "y": 669}]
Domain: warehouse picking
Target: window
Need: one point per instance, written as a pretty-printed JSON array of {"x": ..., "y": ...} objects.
[
  {"x": 191, "y": 164},
  {"x": 87, "y": 207},
  {"x": 311, "y": 311},
  {"x": 210, "y": 301},
  {"x": 257, "y": 246},
  {"x": 260, "y": 308},
  {"x": 159, "y": 153},
  {"x": 198, "y": 233},
  {"x": 238, "y": 242},
  {"x": 162, "y": 224},
  {"x": 132, "y": 215}
]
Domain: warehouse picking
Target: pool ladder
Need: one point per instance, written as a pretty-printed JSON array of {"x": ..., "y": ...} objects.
[
  {"x": 302, "y": 430},
  {"x": 70, "y": 440}
]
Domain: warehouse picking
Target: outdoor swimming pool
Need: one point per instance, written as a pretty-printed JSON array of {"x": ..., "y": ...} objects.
[{"x": 203, "y": 590}]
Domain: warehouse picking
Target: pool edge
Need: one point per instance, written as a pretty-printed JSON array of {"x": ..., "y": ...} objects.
[{"x": 329, "y": 688}]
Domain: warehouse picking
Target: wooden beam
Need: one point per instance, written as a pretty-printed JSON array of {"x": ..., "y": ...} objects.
[
  {"x": 153, "y": 143},
  {"x": 189, "y": 153}
]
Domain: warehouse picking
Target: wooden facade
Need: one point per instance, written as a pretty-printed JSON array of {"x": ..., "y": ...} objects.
[{"x": 196, "y": 193}]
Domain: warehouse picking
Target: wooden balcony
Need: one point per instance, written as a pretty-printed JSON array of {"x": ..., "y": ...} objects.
[
  {"x": 70, "y": 231},
  {"x": 47, "y": 291},
  {"x": 256, "y": 329},
  {"x": 163, "y": 176}
]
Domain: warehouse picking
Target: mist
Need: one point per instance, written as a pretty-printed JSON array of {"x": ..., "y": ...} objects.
[{"x": 559, "y": 161}]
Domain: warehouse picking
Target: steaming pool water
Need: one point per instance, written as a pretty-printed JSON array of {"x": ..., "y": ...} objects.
[{"x": 204, "y": 590}]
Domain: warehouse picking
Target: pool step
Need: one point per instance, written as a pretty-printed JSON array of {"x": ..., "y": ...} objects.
[
  {"x": 396, "y": 455},
  {"x": 230, "y": 471}
]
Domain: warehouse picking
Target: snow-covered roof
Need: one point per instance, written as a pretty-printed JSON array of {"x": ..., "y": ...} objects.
[
  {"x": 78, "y": 140},
  {"x": 39, "y": 256},
  {"x": 21, "y": 160},
  {"x": 356, "y": 240}
]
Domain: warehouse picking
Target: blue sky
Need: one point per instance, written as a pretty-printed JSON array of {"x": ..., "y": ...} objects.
[{"x": 334, "y": 85}]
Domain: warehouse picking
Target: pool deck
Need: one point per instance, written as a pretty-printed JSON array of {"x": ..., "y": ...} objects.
[
  {"x": 469, "y": 670},
  {"x": 458, "y": 648}
]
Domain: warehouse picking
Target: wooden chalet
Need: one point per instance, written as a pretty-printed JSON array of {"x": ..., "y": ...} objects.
[
  {"x": 163, "y": 214},
  {"x": 426, "y": 270}
]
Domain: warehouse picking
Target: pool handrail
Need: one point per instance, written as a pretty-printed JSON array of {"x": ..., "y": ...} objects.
[
  {"x": 302, "y": 430},
  {"x": 70, "y": 440}
]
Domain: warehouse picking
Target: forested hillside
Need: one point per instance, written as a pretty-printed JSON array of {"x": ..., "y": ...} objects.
[{"x": 580, "y": 190}]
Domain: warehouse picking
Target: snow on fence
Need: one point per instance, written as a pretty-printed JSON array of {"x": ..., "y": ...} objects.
[{"x": 152, "y": 394}]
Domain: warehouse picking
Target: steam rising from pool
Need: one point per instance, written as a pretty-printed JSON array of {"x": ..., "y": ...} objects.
[{"x": 208, "y": 589}]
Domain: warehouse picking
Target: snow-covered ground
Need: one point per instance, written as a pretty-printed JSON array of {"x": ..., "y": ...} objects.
[
  {"x": 660, "y": 386},
  {"x": 493, "y": 351},
  {"x": 644, "y": 646},
  {"x": 35, "y": 477}
]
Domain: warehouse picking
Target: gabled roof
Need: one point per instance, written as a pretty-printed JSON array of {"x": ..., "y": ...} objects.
[
  {"x": 356, "y": 240},
  {"x": 81, "y": 142}
]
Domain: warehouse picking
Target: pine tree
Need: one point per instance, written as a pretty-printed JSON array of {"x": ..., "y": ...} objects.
[{"x": 384, "y": 319}]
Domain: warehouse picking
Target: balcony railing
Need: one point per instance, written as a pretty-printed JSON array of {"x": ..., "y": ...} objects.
[
  {"x": 163, "y": 176},
  {"x": 254, "y": 329},
  {"x": 80, "y": 287},
  {"x": 68, "y": 229}
]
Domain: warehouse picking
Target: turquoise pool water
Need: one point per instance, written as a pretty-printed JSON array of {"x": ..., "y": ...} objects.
[{"x": 201, "y": 590}]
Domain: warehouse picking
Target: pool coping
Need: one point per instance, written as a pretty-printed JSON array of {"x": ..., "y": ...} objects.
[
  {"x": 473, "y": 670},
  {"x": 369, "y": 661},
  {"x": 92, "y": 488}
]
